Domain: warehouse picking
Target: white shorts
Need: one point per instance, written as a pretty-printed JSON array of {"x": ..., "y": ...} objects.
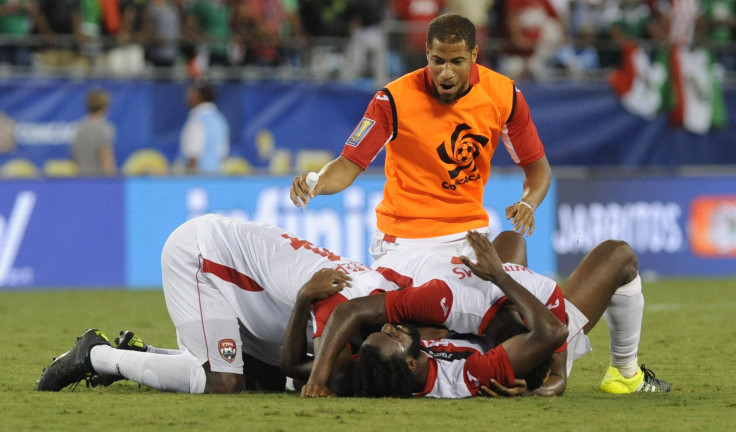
[
  {"x": 578, "y": 343},
  {"x": 206, "y": 324},
  {"x": 453, "y": 244}
]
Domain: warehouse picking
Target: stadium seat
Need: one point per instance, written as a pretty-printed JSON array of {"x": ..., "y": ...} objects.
[
  {"x": 60, "y": 168},
  {"x": 19, "y": 168},
  {"x": 312, "y": 160},
  {"x": 235, "y": 166},
  {"x": 146, "y": 162},
  {"x": 280, "y": 163}
]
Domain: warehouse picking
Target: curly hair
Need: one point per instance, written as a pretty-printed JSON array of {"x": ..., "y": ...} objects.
[
  {"x": 451, "y": 28},
  {"x": 375, "y": 376}
]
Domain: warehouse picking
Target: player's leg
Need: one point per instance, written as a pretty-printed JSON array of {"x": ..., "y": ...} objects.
[
  {"x": 205, "y": 344},
  {"x": 607, "y": 283},
  {"x": 511, "y": 247}
]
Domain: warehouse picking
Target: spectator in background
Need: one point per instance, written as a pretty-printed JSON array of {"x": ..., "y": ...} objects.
[
  {"x": 92, "y": 146},
  {"x": 719, "y": 23},
  {"x": 476, "y": 11},
  {"x": 261, "y": 27},
  {"x": 60, "y": 25},
  {"x": 161, "y": 31},
  {"x": 17, "y": 19},
  {"x": 208, "y": 24},
  {"x": 416, "y": 15},
  {"x": 205, "y": 138},
  {"x": 534, "y": 32},
  {"x": 367, "y": 44}
]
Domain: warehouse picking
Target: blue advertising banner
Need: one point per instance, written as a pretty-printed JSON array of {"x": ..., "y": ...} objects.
[
  {"x": 343, "y": 223},
  {"x": 677, "y": 226},
  {"x": 61, "y": 233}
]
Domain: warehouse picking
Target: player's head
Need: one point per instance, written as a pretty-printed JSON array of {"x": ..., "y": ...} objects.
[
  {"x": 386, "y": 362},
  {"x": 200, "y": 91},
  {"x": 451, "y": 51},
  {"x": 97, "y": 100}
]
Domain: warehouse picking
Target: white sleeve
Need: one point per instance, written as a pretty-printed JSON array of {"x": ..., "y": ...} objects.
[{"x": 192, "y": 139}]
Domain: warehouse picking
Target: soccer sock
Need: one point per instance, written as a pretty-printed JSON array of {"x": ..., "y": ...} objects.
[
  {"x": 167, "y": 351},
  {"x": 624, "y": 317},
  {"x": 178, "y": 373}
]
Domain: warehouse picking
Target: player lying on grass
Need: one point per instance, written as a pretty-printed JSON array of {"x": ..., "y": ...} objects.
[
  {"x": 606, "y": 280},
  {"x": 229, "y": 287}
]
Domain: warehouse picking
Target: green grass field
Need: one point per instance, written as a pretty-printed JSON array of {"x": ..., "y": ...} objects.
[{"x": 689, "y": 338}]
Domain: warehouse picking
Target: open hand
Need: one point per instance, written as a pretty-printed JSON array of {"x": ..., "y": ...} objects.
[
  {"x": 495, "y": 389},
  {"x": 324, "y": 283},
  {"x": 489, "y": 265}
]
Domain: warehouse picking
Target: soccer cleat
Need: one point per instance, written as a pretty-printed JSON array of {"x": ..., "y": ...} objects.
[
  {"x": 74, "y": 365},
  {"x": 643, "y": 381},
  {"x": 128, "y": 341}
]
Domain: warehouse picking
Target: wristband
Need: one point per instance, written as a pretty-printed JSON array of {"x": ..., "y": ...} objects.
[{"x": 522, "y": 202}]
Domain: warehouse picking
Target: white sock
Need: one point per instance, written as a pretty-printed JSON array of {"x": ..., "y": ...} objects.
[
  {"x": 177, "y": 373},
  {"x": 154, "y": 350},
  {"x": 624, "y": 317}
]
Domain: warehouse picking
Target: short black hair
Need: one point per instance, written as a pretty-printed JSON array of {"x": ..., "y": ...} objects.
[
  {"x": 375, "y": 376},
  {"x": 451, "y": 28},
  {"x": 205, "y": 89}
]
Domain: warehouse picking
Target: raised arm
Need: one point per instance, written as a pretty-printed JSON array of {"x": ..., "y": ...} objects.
[
  {"x": 294, "y": 360},
  {"x": 334, "y": 177},
  {"x": 546, "y": 332},
  {"x": 345, "y": 319}
]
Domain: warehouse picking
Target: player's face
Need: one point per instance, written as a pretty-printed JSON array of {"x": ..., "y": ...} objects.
[
  {"x": 395, "y": 340},
  {"x": 449, "y": 67}
]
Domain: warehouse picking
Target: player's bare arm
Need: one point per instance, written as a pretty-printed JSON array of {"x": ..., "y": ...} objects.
[
  {"x": 334, "y": 177},
  {"x": 546, "y": 333},
  {"x": 294, "y": 360},
  {"x": 537, "y": 179},
  {"x": 345, "y": 319}
]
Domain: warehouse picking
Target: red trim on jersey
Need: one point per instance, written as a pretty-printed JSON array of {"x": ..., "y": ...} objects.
[
  {"x": 431, "y": 377},
  {"x": 523, "y": 133},
  {"x": 430, "y": 303},
  {"x": 230, "y": 275},
  {"x": 490, "y": 313},
  {"x": 380, "y": 111},
  {"x": 480, "y": 369},
  {"x": 556, "y": 304},
  {"x": 322, "y": 311},
  {"x": 392, "y": 275}
]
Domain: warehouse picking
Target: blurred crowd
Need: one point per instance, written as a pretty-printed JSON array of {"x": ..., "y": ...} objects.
[{"x": 349, "y": 38}]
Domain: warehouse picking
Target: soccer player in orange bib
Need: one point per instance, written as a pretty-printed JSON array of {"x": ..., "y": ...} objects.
[{"x": 440, "y": 126}]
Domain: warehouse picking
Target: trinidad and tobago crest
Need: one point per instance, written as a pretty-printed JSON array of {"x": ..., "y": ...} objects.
[
  {"x": 462, "y": 150},
  {"x": 228, "y": 350}
]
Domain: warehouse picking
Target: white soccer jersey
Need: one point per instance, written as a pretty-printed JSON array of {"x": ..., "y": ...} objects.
[
  {"x": 446, "y": 292},
  {"x": 260, "y": 268},
  {"x": 458, "y": 367}
]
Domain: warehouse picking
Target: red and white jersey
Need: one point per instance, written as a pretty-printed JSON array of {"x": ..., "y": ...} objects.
[
  {"x": 443, "y": 291},
  {"x": 457, "y": 368},
  {"x": 245, "y": 260}
]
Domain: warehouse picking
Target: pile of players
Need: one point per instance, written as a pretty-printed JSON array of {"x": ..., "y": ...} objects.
[{"x": 442, "y": 312}]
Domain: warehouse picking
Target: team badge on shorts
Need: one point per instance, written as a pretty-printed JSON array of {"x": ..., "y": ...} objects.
[{"x": 228, "y": 349}]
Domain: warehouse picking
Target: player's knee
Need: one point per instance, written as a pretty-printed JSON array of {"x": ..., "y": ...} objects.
[
  {"x": 623, "y": 254},
  {"x": 224, "y": 383}
]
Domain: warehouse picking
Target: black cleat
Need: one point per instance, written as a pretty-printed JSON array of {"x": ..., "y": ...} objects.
[
  {"x": 74, "y": 365},
  {"x": 128, "y": 341}
]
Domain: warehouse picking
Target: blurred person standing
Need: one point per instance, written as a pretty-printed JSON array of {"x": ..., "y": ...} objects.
[
  {"x": 92, "y": 146},
  {"x": 205, "y": 138},
  {"x": 440, "y": 126}
]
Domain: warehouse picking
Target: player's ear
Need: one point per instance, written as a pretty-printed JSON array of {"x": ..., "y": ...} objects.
[{"x": 411, "y": 362}]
